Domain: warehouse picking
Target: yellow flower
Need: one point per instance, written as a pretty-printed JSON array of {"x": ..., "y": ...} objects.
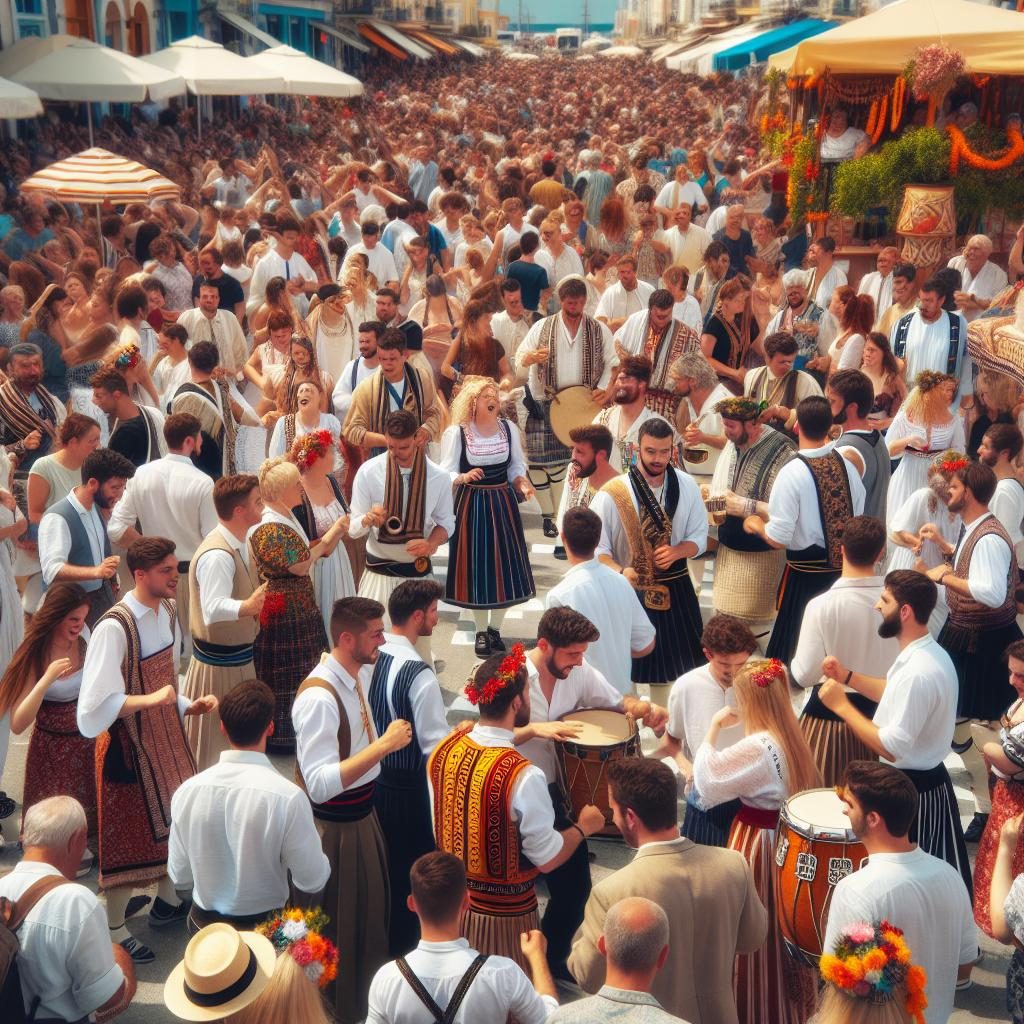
[
  {"x": 875, "y": 960},
  {"x": 855, "y": 966}
]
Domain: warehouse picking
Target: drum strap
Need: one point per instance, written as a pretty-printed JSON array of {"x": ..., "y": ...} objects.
[{"x": 447, "y": 1015}]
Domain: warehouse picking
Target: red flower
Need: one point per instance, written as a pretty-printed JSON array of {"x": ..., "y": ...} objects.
[{"x": 273, "y": 608}]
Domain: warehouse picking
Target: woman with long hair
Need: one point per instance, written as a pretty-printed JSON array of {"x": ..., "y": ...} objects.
[
  {"x": 729, "y": 341},
  {"x": 76, "y": 318},
  {"x": 922, "y": 428},
  {"x": 764, "y": 769},
  {"x": 597, "y": 279},
  {"x": 440, "y": 316},
  {"x": 421, "y": 266},
  {"x": 885, "y": 371},
  {"x": 996, "y": 395},
  {"x": 332, "y": 330},
  {"x": 41, "y": 687},
  {"x": 45, "y": 329},
  {"x": 476, "y": 352},
  {"x": 489, "y": 561},
  {"x": 306, "y": 419},
  {"x": 855, "y": 315},
  {"x": 283, "y": 381},
  {"x": 362, "y": 306},
  {"x": 614, "y": 233}
]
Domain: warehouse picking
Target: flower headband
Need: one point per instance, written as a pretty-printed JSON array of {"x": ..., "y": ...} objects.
[
  {"x": 127, "y": 357},
  {"x": 928, "y": 380},
  {"x": 767, "y": 673},
  {"x": 310, "y": 447},
  {"x": 740, "y": 408},
  {"x": 869, "y": 962},
  {"x": 297, "y": 932},
  {"x": 950, "y": 462},
  {"x": 507, "y": 672}
]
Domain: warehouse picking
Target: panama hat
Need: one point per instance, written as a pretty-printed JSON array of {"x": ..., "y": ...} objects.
[{"x": 223, "y": 970}]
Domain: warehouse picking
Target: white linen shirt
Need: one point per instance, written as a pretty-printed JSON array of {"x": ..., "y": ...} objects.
[
  {"x": 879, "y": 290},
  {"x": 170, "y": 498},
  {"x": 833, "y": 278},
  {"x": 570, "y": 357},
  {"x": 927, "y": 348},
  {"x": 989, "y": 568},
  {"x": 616, "y": 303},
  {"x": 843, "y": 622},
  {"x": 674, "y": 194},
  {"x": 66, "y": 959},
  {"x": 428, "y": 713},
  {"x": 315, "y": 718},
  {"x": 510, "y": 332},
  {"x": 223, "y": 329},
  {"x": 584, "y": 687},
  {"x": 500, "y": 990},
  {"x": 690, "y": 522},
  {"x": 606, "y": 598},
  {"x": 103, "y": 686},
  {"x": 686, "y": 247},
  {"x": 215, "y": 574},
  {"x": 794, "y": 519},
  {"x": 238, "y": 830},
  {"x": 343, "y": 389},
  {"x": 368, "y": 490},
  {"x": 926, "y": 898},
  {"x": 1007, "y": 505},
  {"x": 381, "y": 260},
  {"x": 451, "y": 452},
  {"x": 990, "y": 280},
  {"x": 695, "y": 698},
  {"x": 55, "y": 541},
  {"x": 916, "y": 714},
  {"x": 688, "y": 312},
  {"x": 271, "y": 264}
]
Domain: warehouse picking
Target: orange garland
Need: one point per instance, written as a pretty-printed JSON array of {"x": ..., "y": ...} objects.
[
  {"x": 872, "y": 116},
  {"x": 880, "y": 125},
  {"x": 899, "y": 96},
  {"x": 961, "y": 150}
]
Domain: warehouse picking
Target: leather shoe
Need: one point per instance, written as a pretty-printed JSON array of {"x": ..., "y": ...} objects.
[
  {"x": 550, "y": 530},
  {"x": 976, "y": 829},
  {"x": 482, "y": 647}
]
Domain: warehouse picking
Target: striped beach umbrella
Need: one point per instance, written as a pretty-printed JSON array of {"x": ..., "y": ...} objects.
[{"x": 97, "y": 175}]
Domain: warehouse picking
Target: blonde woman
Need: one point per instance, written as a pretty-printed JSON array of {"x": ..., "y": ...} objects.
[
  {"x": 292, "y": 636},
  {"x": 923, "y": 427},
  {"x": 764, "y": 769},
  {"x": 289, "y": 996},
  {"x": 489, "y": 560}
]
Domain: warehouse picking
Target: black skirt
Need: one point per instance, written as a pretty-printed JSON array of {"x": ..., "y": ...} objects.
[
  {"x": 978, "y": 656},
  {"x": 677, "y": 648},
  {"x": 711, "y": 827},
  {"x": 807, "y": 574}
]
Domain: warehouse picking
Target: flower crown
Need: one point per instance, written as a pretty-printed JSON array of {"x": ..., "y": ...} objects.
[
  {"x": 127, "y": 357},
  {"x": 297, "y": 932},
  {"x": 740, "y": 408},
  {"x": 869, "y": 962},
  {"x": 950, "y": 461},
  {"x": 928, "y": 380},
  {"x": 767, "y": 672},
  {"x": 507, "y": 672},
  {"x": 310, "y": 447}
]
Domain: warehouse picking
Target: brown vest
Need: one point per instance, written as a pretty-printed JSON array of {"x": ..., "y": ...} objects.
[
  {"x": 243, "y": 583},
  {"x": 965, "y": 611}
]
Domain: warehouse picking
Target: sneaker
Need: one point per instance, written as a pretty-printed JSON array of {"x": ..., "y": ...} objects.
[
  {"x": 85, "y": 864},
  {"x": 7, "y": 805},
  {"x": 482, "y": 647},
  {"x": 560, "y": 554},
  {"x": 162, "y": 914},
  {"x": 497, "y": 644},
  {"x": 964, "y": 984},
  {"x": 139, "y": 953},
  {"x": 976, "y": 829},
  {"x": 550, "y": 530}
]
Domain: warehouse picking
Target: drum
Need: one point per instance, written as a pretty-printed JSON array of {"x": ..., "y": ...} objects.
[
  {"x": 815, "y": 850},
  {"x": 571, "y": 408},
  {"x": 606, "y": 736}
]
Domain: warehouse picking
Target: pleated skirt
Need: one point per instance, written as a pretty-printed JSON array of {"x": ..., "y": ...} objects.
[
  {"x": 797, "y": 587},
  {"x": 711, "y": 827},
  {"x": 488, "y": 559},
  {"x": 498, "y": 935},
  {"x": 677, "y": 648},
  {"x": 1007, "y": 802},
  {"x": 770, "y": 985},
  {"x": 937, "y": 828},
  {"x": 203, "y": 731},
  {"x": 978, "y": 656},
  {"x": 831, "y": 740}
]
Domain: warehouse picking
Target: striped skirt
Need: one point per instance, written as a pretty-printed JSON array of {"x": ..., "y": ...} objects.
[
  {"x": 709, "y": 828},
  {"x": 937, "y": 828},
  {"x": 770, "y": 985},
  {"x": 677, "y": 649},
  {"x": 831, "y": 740},
  {"x": 489, "y": 562},
  {"x": 1007, "y": 802},
  {"x": 498, "y": 935},
  {"x": 542, "y": 446}
]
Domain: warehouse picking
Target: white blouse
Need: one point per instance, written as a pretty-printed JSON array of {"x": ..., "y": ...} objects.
[
  {"x": 482, "y": 451},
  {"x": 753, "y": 770}
]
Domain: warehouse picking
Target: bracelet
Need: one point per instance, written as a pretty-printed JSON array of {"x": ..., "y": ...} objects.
[
  {"x": 583, "y": 835},
  {"x": 849, "y": 676}
]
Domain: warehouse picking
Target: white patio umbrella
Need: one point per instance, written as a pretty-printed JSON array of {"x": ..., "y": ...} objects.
[
  {"x": 29, "y": 49},
  {"x": 621, "y": 51},
  {"x": 85, "y": 72},
  {"x": 304, "y": 76},
  {"x": 210, "y": 69},
  {"x": 16, "y": 101}
]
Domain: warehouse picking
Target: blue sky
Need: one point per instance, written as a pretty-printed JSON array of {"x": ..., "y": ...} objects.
[{"x": 558, "y": 11}]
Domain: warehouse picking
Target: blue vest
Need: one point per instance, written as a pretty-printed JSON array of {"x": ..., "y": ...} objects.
[{"x": 81, "y": 550}]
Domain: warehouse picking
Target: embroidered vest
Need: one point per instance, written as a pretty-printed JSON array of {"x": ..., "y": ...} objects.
[
  {"x": 243, "y": 583},
  {"x": 965, "y": 611},
  {"x": 472, "y": 788},
  {"x": 835, "y": 503}
]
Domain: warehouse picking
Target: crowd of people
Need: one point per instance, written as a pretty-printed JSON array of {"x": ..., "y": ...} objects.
[{"x": 239, "y": 428}]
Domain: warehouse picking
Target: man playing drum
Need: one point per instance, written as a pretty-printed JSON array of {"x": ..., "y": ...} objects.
[
  {"x": 566, "y": 350},
  {"x": 561, "y": 682}
]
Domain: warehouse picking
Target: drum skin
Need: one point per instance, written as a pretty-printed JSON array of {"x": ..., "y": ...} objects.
[
  {"x": 814, "y": 850},
  {"x": 607, "y": 736},
  {"x": 571, "y": 408}
]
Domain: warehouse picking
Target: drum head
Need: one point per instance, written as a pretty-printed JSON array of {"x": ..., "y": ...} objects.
[
  {"x": 572, "y": 408},
  {"x": 818, "y": 811},
  {"x": 602, "y": 727}
]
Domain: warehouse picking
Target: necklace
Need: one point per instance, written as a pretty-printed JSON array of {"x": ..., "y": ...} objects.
[{"x": 337, "y": 331}]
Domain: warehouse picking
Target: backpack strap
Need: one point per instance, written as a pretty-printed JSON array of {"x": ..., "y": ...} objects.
[
  {"x": 447, "y": 1016},
  {"x": 22, "y": 907}
]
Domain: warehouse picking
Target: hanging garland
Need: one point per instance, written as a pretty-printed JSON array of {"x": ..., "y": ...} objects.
[
  {"x": 880, "y": 124},
  {"x": 961, "y": 151},
  {"x": 899, "y": 99}
]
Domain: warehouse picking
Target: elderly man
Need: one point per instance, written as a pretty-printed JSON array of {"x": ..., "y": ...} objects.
[
  {"x": 801, "y": 317},
  {"x": 981, "y": 279},
  {"x": 840, "y": 141},
  {"x": 686, "y": 241},
  {"x": 878, "y": 284}
]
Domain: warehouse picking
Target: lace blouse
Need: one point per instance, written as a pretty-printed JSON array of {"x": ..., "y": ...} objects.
[{"x": 753, "y": 770}]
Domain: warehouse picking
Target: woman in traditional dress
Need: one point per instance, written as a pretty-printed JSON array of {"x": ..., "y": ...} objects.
[
  {"x": 292, "y": 636},
  {"x": 730, "y": 336},
  {"x": 476, "y": 352},
  {"x": 1005, "y": 757},
  {"x": 764, "y": 769},
  {"x": 40, "y": 687},
  {"x": 489, "y": 560},
  {"x": 334, "y": 335},
  {"x": 922, "y": 428},
  {"x": 322, "y": 507},
  {"x": 273, "y": 352},
  {"x": 421, "y": 266},
  {"x": 306, "y": 419},
  {"x": 1007, "y": 912},
  {"x": 885, "y": 372}
]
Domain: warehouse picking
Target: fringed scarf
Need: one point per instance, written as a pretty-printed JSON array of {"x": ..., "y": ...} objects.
[{"x": 415, "y": 507}]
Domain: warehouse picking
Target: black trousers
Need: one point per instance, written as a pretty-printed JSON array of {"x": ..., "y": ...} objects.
[{"x": 568, "y": 891}]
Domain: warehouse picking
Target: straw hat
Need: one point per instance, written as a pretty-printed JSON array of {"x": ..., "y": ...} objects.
[{"x": 223, "y": 970}]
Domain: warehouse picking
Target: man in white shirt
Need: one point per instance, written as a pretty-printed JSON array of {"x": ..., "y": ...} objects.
[
  {"x": 240, "y": 830},
  {"x": 170, "y": 498},
  {"x": 878, "y": 283},
  {"x": 683, "y": 191},
  {"x": 404, "y": 686},
  {"x": 998, "y": 450},
  {"x": 557, "y": 258},
  {"x": 443, "y": 959},
  {"x": 981, "y": 280},
  {"x": 283, "y": 261},
  {"x": 903, "y": 884},
  {"x": 172, "y": 369},
  {"x": 513, "y": 323},
  {"x": 843, "y": 622},
  {"x": 912, "y": 727},
  {"x": 621, "y": 300},
  {"x": 382, "y": 262},
  {"x": 208, "y": 322},
  {"x": 66, "y": 964},
  {"x": 696, "y": 697},
  {"x": 74, "y": 546},
  {"x": 605, "y": 598},
  {"x": 686, "y": 241},
  {"x": 827, "y": 276},
  {"x": 358, "y": 369},
  {"x": 697, "y": 417}
]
